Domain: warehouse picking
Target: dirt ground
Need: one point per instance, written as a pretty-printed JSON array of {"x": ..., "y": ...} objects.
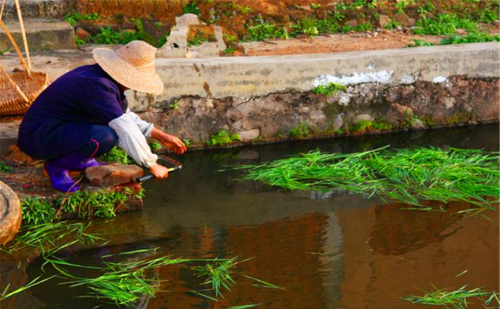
[{"x": 335, "y": 43}]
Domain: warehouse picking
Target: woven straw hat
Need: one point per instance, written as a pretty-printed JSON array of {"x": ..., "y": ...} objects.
[{"x": 132, "y": 65}]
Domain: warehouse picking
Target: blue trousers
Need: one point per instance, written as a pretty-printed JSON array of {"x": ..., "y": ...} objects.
[{"x": 103, "y": 139}]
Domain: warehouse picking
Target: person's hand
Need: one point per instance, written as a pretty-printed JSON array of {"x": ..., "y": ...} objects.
[
  {"x": 174, "y": 143},
  {"x": 160, "y": 171}
]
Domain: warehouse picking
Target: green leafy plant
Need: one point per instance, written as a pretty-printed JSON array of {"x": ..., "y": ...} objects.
[
  {"x": 328, "y": 89},
  {"x": 229, "y": 50},
  {"x": 187, "y": 142},
  {"x": 420, "y": 43},
  {"x": 116, "y": 155},
  {"x": 4, "y": 168},
  {"x": 306, "y": 26},
  {"x": 444, "y": 24},
  {"x": 155, "y": 146},
  {"x": 222, "y": 138},
  {"x": 38, "y": 211},
  {"x": 74, "y": 17},
  {"x": 470, "y": 38},
  {"x": 191, "y": 8},
  {"x": 315, "y": 6},
  {"x": 107, "y": 36}
]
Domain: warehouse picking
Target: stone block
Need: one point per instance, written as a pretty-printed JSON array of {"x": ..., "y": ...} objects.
[
  {"x": 113, "y": 174},
  {"x": 247, "y": 136}
]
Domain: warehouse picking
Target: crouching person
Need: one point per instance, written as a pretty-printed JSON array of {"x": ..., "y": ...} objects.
[{"x": 84, "y": 113}]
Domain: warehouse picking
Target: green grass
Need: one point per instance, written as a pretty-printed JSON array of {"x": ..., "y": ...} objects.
[
  {"x": 4, "y": 168},
  {"x": 457, "y": 299},
  {"x": 50, "y": 238},
  {"x": 116, "y": 155},
  {"x": 222, "y": 138},
  {"x": 99, "y": 204},
  {"x": 444, "y": 24},
  {"x": 38, "y": 211},
  {"x": 470, "y": 38},
  {"x": 302, "y": 130},
  {"x": 219, "y": 275},
  {"x": 407, "y": 176}
]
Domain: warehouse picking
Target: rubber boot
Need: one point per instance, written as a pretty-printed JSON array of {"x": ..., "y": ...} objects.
[
  {"x": 57, "y": 170},
  {"x": 86, "y": 163}
]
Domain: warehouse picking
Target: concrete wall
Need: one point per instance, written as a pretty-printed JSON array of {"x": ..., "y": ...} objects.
[{"x": 270, "y": 98}]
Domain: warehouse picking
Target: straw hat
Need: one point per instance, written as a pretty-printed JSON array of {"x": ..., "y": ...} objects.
[{"x": 132, "y": 65}]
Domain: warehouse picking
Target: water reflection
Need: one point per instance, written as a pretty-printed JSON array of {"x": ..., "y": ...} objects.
[{"x": 327, "y": 250}]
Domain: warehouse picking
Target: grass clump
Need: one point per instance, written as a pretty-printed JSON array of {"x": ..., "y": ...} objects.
[
  {"x": 457, "y": 299},
  {"x": 223, "y": 138},
  {"x": 37, "y": 211},
  {"x": 116, "y": 155},
  {"x": 328, "y": 89},
  {"x": 470, "y": 38},
  {"x": 4, "y": 168},
  {"x": 99, "y": 204},
  {"x": 304, "y": 129},
  {"x": 406, "y": 176},
  {"x": 75, "y": 17},
  {"x": 444, "y": 24}
]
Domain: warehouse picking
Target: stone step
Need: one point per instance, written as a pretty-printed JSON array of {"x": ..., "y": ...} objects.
[
  {"x": 42, "y": 34},
  {"x": 37, "y": 8}
]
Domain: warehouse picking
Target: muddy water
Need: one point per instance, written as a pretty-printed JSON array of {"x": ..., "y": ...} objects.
[{"x": 332, "y": 250}]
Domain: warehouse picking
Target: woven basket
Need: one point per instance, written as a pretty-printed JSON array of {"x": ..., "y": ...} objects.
[
  {"x": 19, "y": 89},
  {"x": 11, "y": 102}
]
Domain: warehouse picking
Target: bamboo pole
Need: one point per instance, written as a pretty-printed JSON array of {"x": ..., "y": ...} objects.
[
  {"x": 13, "y": 83},
  {"x": 1, "y": 10},
  {"x": 23, "y": 32},
  {"x": 16, "y": 47}
]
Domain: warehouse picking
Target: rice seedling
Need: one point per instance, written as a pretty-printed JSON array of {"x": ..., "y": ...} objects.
[
  {"x": 457, "y": 299},
  {"x": 5, "y": 294},
  {"x": 406, "y": 176},
  {"x": 219, "y": 275},
  {"x": 49, "y": 237}
]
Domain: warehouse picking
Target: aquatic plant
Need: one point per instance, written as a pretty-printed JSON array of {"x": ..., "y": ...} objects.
[
  {"x": 6, "y": 294},
  {"x": 407, "y": 176},
  {"x": 222, "y": 138},
  {"x": 155, "y": 146},
  {"x": 219, "y": 275},
  {"x": 51, "y": 237},
  {"x": 457, "y": 299}
]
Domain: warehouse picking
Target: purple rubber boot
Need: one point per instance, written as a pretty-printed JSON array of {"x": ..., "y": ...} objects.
[
  {"x": 86, "y": 163},
  {"x": 57, "y": 170}
]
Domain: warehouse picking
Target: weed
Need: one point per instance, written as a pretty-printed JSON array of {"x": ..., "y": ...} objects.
[
  {"x": 95, "y": 204},
  {"x": 4, "y": 168},
  {"x": 306, "y": 26},
  {"x": 78, "y": 41},
  {"x": 364, "y": 27},
  {"x": 470, "y": 38},
  {"x": 219, "y": 275},
  {"x": 116, "y": 155},
  {"x": 222, "y": 138},
  {"x": 155, "y": 146},
  {"x": 420, "y": 43},
  {"x": 328, "y": 89},
  {"x": 302, "y": 130},
  {"x": 407, "y": 175},
  {"x": 29, "y": 285},
  {"x": 186, "y": 142},
  {"x": 392, "y": 25},
  {"x": 107, "y": 36},
  {"x": 191, "y": 8},
  {"x": 315, "y": 6},
  {"x": 229, "y": 51},
  {"x": 444, "y": 24},
  {"x": 36, "y": 211},
  {"x": 197, "y": 40},
  {"x": 74, "y": 17},
  {"x": 262, "y": 30}
]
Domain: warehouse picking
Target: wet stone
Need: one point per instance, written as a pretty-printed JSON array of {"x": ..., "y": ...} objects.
[{"x": 113, "y": 174}]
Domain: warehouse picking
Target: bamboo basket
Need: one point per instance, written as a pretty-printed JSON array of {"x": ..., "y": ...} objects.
[{"x": 19, "y": 89}]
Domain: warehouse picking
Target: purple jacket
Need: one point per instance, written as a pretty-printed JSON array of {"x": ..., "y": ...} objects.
[{"x": 59, "y": 121}]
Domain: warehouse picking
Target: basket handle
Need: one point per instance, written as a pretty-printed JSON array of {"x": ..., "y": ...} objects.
[
  {"x": 13, "y": 83},
  {"x": 23, "y": 32},
  {"x": 16, "y": 47},
  {"x": 1, "y": 9}
]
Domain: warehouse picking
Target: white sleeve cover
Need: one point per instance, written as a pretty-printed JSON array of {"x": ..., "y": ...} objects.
[
  {"x": 132, "y": 140},
  {"x": 144, "y": 126}
]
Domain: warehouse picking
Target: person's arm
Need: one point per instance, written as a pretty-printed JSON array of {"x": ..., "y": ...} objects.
[
  {"x": 144, "y": 126},
  {"x": 171, "y": 142},
  {"x": 133, "y": 142}
]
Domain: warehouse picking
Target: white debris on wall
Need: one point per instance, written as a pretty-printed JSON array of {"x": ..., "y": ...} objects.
[
  {"x": 439, "y": 79},
  {"x": 356, "y": 78},
  {"x": 408, "y": 79}
]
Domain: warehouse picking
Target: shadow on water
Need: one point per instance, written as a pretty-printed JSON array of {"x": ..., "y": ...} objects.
[{"x": 332, "y": 250}]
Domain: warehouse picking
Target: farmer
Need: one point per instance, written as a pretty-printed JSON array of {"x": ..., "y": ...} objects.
[{"x": 84, "y": 113}]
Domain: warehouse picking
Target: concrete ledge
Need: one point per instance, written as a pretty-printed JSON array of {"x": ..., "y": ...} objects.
[
  {"x": 254, "y": 76},
  {"x": 37, "y": 8}
]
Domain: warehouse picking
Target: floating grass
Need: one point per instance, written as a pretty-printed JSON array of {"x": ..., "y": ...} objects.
[
  {"x": 457, "y": 299},
  {"x": 6, "y": 294},
  {"x": 49, "y": 237},
  {"x": 407, "y": 176},
  {"x": 219, "y": 275}
]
